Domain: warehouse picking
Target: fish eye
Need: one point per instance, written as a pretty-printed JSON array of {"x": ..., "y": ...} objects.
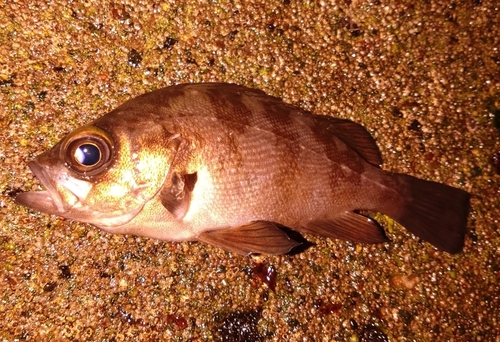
[
  {"x": 87, "y": 154},
  {"x": 87, "y": 150}
]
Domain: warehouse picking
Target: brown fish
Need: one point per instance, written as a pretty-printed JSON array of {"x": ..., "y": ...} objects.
[{"x": 229, "y": 166}]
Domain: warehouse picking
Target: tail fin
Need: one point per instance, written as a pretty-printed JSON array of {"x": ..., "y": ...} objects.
[{"x": 435, "y": 212}]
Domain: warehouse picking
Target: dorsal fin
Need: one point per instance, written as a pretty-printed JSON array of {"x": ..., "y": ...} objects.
[
  {"x": 355, "y": 136},
  {"x": 254, "y": 100},
  {"x": 176, "y": 195}
]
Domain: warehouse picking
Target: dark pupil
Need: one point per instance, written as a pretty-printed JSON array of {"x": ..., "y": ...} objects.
[{"x": 88, "y": 154}]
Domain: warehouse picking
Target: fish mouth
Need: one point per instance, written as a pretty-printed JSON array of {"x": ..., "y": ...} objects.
[
  {"x": 66, "y": 195},
  {"x": 48, "y": 201}
]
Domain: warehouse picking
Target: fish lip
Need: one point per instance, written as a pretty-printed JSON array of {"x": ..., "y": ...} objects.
[
  {"x": 38, "y": 170},
  {"x": 52, "y": 202}
]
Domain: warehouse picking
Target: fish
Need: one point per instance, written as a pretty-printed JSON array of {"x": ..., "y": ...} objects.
[{"x": 236, "y": 168}]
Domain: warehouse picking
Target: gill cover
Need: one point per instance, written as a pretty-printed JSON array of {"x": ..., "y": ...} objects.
[{"x": 103, "y": 173}]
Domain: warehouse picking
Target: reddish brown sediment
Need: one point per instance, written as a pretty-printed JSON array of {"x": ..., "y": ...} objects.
[{"x": 422, "y": 78}]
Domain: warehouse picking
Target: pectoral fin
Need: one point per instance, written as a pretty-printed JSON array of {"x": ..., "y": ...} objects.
[
  {"x": 348, "y": 226},
  {"x": 256, "y": 237},
  {"x": 176, "y": 195}
]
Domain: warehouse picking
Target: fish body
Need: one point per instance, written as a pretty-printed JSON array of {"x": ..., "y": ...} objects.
[{"x": 230, "y": 166}]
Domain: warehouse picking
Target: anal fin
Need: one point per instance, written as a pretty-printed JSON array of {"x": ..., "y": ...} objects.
[
  {"x": 256, "y": 237},
  {"x": 349, "y": 226}
]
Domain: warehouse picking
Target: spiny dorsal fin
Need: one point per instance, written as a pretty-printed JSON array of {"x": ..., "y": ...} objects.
[
  {"x": 255, "y": 237},
  {"x": 176, "y": 196}
]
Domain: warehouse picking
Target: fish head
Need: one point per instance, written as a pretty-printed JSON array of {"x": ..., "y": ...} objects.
[{"x": 102, "y": 174}]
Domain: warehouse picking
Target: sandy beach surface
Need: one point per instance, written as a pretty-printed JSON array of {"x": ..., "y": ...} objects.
[{"x": 422, "y": 76}]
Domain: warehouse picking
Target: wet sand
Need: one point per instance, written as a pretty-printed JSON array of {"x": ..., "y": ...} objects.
[{"x": 423, "y": 78}]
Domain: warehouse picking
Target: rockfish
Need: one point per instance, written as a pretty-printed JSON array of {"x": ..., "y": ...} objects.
[{"x": 231, "y": 166}]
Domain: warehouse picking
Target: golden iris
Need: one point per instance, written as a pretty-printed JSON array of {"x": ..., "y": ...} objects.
[{"x": 87, "y": 150}]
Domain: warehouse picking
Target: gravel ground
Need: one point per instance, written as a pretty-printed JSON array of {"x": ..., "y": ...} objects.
[{"x": 423, "y": 77}]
